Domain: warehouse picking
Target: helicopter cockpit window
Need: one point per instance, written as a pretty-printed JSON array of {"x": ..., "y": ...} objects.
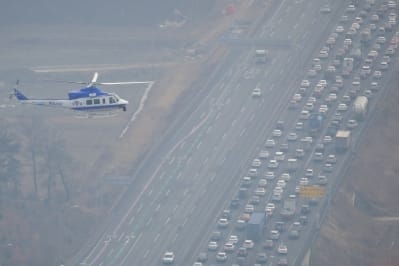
[
  {"x": 89, "y": 102},
  {"x": 112, "y": 100},
  {"x": 96, "y": 101}
]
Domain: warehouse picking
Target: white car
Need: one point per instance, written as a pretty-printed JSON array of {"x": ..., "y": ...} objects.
[
  {"x": 292, "y": 136},
  {"x": 323, "y": 108},
  {"x": 221, "y": 256},
  {"x": 309, "y": 172},
  {"x": 256, "y": 92},
  {"x": 351, "y": 124},
  {"x": 342, "y": 107},
  {"x": 297, "y": 97},
  {"x": 212, "y": 246},
  {"x": 253, "y": 172},
  {"x": 269, "y": 175},
  {"x": 305, "y": 83},
  {"x": 270, "y": 143},
  {"x": 223, "y": 223},
  {"x": 264, "y": 154},
  {"x": 273, "y": 164},
  {"x": 339, "y": 29},
  {"x": 331, "y": 159},
  {"x": 327, "y": 139},
  {"x": 285, "y": 176},
  {"x": 277, "y": 133},
  {"x": 248, "y": 244},
  {"x": 304, "y": 181},
  {"x": 304, "y": 115},
  {"x": 260, "y": 191},
  {"x": 270, "y": 206},
  {"x": 233, "y": 239},
  {"x": 262, "y": 182},
  {"x": 168, "y": 257},
  {"x": 256, "y": 163},
  {"x": 332, "y": 97},
  {"x": 249, "y": 208},
  {"x": 281, "y": 183},
  {"x": 279, "y": 156}
]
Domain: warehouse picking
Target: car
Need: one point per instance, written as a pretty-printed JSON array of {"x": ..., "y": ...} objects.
[
  {"x": 374, "y": 86},
  {"x": 246, "y": 181},
  {"x": 374, "y": 18},
  {"x": 249, "y": 208},
  {"x": 303, "y": 181},
  {"x": 202, "y": 257},
  {"x": 325, "y": 9},
  {"x": 277, "y": 133},
  {"x": 327, "y": 167},
  {"x": 253, "y": 172},
  {"x": 305, "y": 83},
  {"x": 346, "y": 98},
  {"x": 248, "y": 244},
  {"x": 277, "y": 197},
  {"x": 339, "y": 29},
  {"x": 270, "y": 207},
  {"x": 299, "y": 126},
  {"x": 309, "y": 106},
  {"x": 282, "y": 262},
  {"x": 168, "y": 257},
  {"x": 318, "y": 157},
  {"x": 216, "y": 236},
  {"x": 348, "y": 42},
  {"x": 327, "y": 139},
  {"x": 309, "y": 172},
  {"x": 256, "y": 163},
  {"x": 256, "y": 93},
  {"x": 322, "y": 180},
  {"x": 274, "y": 234},
  {"x": 381, "y": 40},
  {"x": 198, "y": 263},
  {"x": 331, "y": 158},
  {"x": 268, "y": 244},
  {"x": 278, "y": 190},
  {"x": 233, "y": 239},
  {"x": 254, "y": 200},
  {"x": 282, "y": 249},
  {"x": 383, "y": 66},
  {"x": 285, "y": 176},
  {"x": 305, "y": 209},
  {"x": 323, "y": 108},
  {"x": 342, "y": 107},
  {"x": 228, "y": 247},
  {"x": 284, "y": 147},
  {"x": 260, "y": 191},
  {"x": 337, "y": 117},
  {"x": 221, "y": 256},
  {"x": 262, "y": 182},
  {"x": 332, "y": 97},
  {"x": 293, "y": 234},
  {"x": 304, "y": 115},
  {"x": 311, "y": 73},
  {"x": 264, "y": 154},
  {"x": 261, "y": 257},
  {"x": 303, "y": 219},
  {"x": 351, "y": 124},
  {"x": 297, "y": 97},
  {"x": 240, "y": 225},
  {"x": 273, "y": 164},
  {"x": 235, "y": 203},
  {"x": 270, "y": 143},
  {"x": 299, "y": 153},
  {"x": 281, "y": 183},
  {"x": 279, "y": 156},
  {"x": 350, "y": 8},
  {"x": 323, "y": 54},
  {"x": 377, "y": 74},
  {"x": 223, "y": 223},
  {"x": 368, "y": 93},
  {"x": 292, "y": 136},
  {"x": 269, "y": 175}
]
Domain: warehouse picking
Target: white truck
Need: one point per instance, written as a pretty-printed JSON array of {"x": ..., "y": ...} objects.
[
  {"x": 360, "y": 106},
  {"x": 261, "y": 56},
  {"x": 343, "y": 140}
]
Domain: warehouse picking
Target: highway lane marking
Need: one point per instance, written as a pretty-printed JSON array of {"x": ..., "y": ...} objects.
[
  {"x": 217, "y": 116},
  {"x": 242, "y": 109},
  {"x": 148, "y": 221},
  {"x": 146, "y": 253},
  {"x": 167, "y": 193},
  {"x": 140, "y": 207},
  {"x": 98, "y": 255},
  {"x": 175, "y": 208},
  {"x": 185, "y": 221},
  {"x": 171, "y": 160},
  {"x": 185, "y": 192},
  {"x": 199, "y": 145},
  {"x": 208, "y": 129},
  {"x": 234, "y": 122},
  {"x": 139, "y": 109},
  {"x": 157, "y": 237},
  {"x": 205, "y": 160},
  {"x": 251, "y": 118},
  {"x": 175, "y": 238},
  {"x": 243, "y": 132},
  {"x": 223, "y": 137},
  {"x": 121, "y": 236},
  {"x": 178, "y": 175},
  {"x": 131, "y": 220},
  {"x": 202, "y": 115},
  {"x": 131, "y": 249},
  {"x": 150, "y": 192},
  {"x": 166, "y": 221},
  {"x": 281, "y": 71},
  {"x": 296, "y": 26},
  {"x": 162, "y": 175},
  {"x": 158, "y": 207},
  {"x": 182, "y": 145}
]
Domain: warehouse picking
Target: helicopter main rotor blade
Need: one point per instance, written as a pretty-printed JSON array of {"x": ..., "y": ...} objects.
[{"x": 122, "y": 83}]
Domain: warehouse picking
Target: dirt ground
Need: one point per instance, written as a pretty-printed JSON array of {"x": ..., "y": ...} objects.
[{"x": 362, "y": 227}]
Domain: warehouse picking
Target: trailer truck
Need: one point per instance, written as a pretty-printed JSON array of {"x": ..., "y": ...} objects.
[
  {"x": 360, "y": 107},
  {"x": 255, "y": 226},
  {"x": 289, "y": 209},
  {"x": 342, "y": 140}
]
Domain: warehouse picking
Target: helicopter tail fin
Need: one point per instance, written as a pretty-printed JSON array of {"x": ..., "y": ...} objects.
[{"x": 19, "y": 95}]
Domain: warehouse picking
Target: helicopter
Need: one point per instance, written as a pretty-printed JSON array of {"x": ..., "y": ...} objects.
[{"x": 88, "y": 99}]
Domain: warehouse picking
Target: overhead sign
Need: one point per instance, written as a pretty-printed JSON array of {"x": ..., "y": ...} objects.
[{"x": 312, "y": 191}]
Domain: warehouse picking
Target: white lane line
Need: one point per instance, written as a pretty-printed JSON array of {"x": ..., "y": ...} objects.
[
  {"x": 175, "y": 208},
  {"x": 146, "y": 253},
  {"x": 224, "y": 136},
  {"x": 121, "y": 236},
  {"x": 150, "y": 192},
  {"x": 138, "y": 111},
  {"x": 178, "y": 176},
  {"x": 296, "y": 26},
  {"x": 162, "y": 175},
  {"x": 158, "y": 207},
  {"x": 243, "y": 132},
  {"x": 242, "y": 109},
  {"x": 234, "y": 122},
  {"x": 199, "y": 145},
  {"x": 166, "y": 221},
  {"x": 189, "y": 160},
  {"x": 251, "y": 118},
  {"x": 171, "y": 160},
  {"x": 148, "y": 221},
  {"x": 131, "y": 220},
  {"x": 217, "y": 116},
  {"x": 157, "y": 237},
  {"x": 140, "y": 207},
  {"x": 208, "y": 129}
]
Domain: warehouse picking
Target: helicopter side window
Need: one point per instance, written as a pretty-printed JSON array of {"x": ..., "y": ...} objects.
[
  {"x": 89, "y": 102},
  {"x": 96, "y": 101},
  {"x": 111, "y": 100},
  {"x": 103, "y": 101}
]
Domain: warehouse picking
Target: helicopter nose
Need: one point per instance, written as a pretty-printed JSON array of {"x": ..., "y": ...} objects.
[{"x": 124, "y": 101}]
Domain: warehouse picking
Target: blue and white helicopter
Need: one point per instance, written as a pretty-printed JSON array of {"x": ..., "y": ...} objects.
[{"x": 88, "y": 99}]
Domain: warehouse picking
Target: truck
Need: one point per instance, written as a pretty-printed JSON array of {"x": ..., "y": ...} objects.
[
  {"x": 289, "y": 209},
  {"x": 255, "y": 226},
  {"x": 360, "y": 106},
  {"x": 292, "y": 164},
  {"x": 316, "y": 123},
  {"x": 347, "y": 66},
  {"x": 261, "y": 56},
  {"x": 343, "y": 140}
]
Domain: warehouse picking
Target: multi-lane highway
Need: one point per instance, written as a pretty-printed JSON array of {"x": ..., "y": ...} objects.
[{"x": 181, "y": 188}]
